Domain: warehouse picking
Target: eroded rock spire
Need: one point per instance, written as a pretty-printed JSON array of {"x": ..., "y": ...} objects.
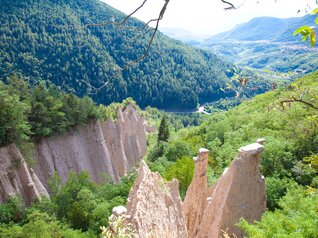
[
  {"x": 239, "y": 192},
  {"x": 154, "y": 208}
]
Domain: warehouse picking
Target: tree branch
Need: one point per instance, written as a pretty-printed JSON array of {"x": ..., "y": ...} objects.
[
  {"x": 123, "y": 21},
  {"x": 133, "y": 62},
  {"x": 230, "y": 7},
  {"x": 155, "y": 29},
  {"x": 293, "y": 99}
]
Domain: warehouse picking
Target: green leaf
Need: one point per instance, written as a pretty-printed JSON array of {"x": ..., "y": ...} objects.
[
  {"x": 315, "y": 11},
  {"x": 316, "y": 21},
  {"x": 312, "y": 39},
  {"x": 303, "y": 30}
]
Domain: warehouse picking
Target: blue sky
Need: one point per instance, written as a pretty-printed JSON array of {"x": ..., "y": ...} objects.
[{"x": 207, "y": 17}]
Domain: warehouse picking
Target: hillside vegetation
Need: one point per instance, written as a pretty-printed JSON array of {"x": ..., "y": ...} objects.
[
  {"x": 50, "y": 40},
  {"x": 289, "y": 162},
  {"x": 30, "y": 113},
  {"x": 290, "y": 129}
]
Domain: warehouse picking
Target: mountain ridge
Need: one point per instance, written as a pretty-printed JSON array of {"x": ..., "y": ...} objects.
[
  {"x": 264, "y": 28},
  {"x": 46, "y": 40}
]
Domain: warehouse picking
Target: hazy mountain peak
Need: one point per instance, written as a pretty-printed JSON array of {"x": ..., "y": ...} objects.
[{"x": 263, "y": 28}]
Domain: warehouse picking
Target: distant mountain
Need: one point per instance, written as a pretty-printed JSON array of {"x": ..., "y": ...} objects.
[
  {"x": 267, "y": 44},
  {"x": 287, "y": 32},
  {"x": 183, "y": 35},
  {"x": 260, "y": 28},
  {"x": 49, "y": 40},
  {"x": 264, "y": 28}
]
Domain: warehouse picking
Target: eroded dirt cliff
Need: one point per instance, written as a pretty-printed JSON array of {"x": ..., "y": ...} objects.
[
  {"x": 16, "y": 178},
  {"x": 106, "y": 150},
  {"x": 103, "y": 149}
]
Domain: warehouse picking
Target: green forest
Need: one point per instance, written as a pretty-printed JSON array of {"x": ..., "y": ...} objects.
[
  {"x": 50, "y": 40},
  {"x": 40, "y": 111}
]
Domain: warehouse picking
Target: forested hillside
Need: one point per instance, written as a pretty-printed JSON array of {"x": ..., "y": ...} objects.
[
  {"x": 289, "y": 162},
  {"x": 289, "y": 127},
  {"x": 50, "y": 40},
  {"x": 41, "y": 111}
]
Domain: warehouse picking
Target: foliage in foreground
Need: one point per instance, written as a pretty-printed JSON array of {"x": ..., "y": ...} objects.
[
  {"x": 298, "y": 217},
  {"x": 40, "y": 225},
  {"x": 308, "y": 32},
  {"x": 76, "y": 209},
  {"x": 117, "y": 229}
]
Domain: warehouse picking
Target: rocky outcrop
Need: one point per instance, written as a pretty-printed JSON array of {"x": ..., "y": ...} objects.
[
  {"x": 16, "y": 178},
  {"x": 239, "y": 192},
  {"x": 103, "y": 149},
  {"x": 195, "y": 200},
  {"x": 154, "y": 207}
]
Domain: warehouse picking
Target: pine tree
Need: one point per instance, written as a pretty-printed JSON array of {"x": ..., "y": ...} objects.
[{"x": 163, "y": 134}]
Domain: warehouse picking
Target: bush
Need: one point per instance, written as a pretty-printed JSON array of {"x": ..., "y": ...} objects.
[
  {"x": 157, "y": 151},
  {"x": 13, "y": 124},
  {"x": 276, "y": 188},
  {"x": 176, "y": 150},
  {"x": 182, "y": 170},
  {"x": 298, "y": 217},
  {"x": 12, "y": 210}
]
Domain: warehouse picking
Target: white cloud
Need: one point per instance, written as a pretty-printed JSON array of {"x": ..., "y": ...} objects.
[{"x": 208, "y": 17}]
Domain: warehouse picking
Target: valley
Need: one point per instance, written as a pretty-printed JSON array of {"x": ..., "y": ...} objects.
[{"x": 266, "y": 46}]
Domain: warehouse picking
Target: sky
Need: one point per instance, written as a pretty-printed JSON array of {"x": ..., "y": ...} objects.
[{"x": 207, "y": 17}]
